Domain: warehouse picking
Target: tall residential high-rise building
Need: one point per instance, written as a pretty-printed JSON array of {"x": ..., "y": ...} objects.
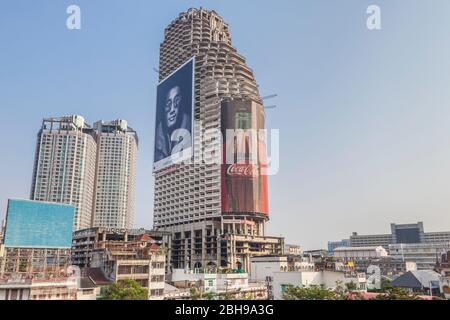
[
  {"x": 91, "y": 168},
  {"x": 116, "y": 174},
  {"x": 64, "y": 167},
  {"x": 217, "y": 213}
]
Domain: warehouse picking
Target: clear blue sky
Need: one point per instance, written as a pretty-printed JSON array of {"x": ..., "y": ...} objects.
[{"x": 364, "y": 116}]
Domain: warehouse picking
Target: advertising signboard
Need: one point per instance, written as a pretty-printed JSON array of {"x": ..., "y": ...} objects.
[
  {"x": 244, "y": 187},
  {"x": 174, "y": 118}
]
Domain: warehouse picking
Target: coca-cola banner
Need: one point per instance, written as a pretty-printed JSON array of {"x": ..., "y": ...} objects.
[{"x": 244, "y": 186}]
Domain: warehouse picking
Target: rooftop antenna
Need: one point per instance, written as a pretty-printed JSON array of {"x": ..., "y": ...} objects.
[{"x": 268, "y": 98}]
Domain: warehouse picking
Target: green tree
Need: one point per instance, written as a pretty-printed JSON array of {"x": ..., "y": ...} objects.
[
  {"x": 248, "y": 296},
  {"x": 126, "y": 290},
  {"x": 209, "y": 296},
  {"x": 195, "y": 294},
  {"x": 385, "y": 283},
  {"x": 395, "y": 293},
  {"x": 351, "y": 286},
  {"x": 312, "y": 293}
]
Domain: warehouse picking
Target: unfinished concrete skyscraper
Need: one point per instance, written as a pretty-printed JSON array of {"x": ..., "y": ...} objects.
[{"x": 217, "y": 213}]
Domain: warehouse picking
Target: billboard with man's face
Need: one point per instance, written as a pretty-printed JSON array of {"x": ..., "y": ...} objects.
[{"x": 174, "y": 112}]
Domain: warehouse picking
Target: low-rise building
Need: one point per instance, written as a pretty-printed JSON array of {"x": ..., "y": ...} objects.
[
  {"x": 174, "y": 293},
  {"x": 263, "y": 267},
  {"x": 426, "y": 282},
  {"x": 280, "y": 272},
  {"x": 38, "y": 289},
  {"x": 86, "y": 241},
  {"x": 292, "y": 249},
  {"x": 30, "y": 262},
  {"x": 220, "y": 285},
  {"x": 140, "y": 260},
  {"x": 359, "y": 253},
  {"x": 388, "y": 266},
  {"x": 425, "y": 255},
  {"x": 327, "y": 278},
  {"x": 37, "y": 239},
  {"x": 337, "y": 244},
  {"x": 443, "y": 268},
  {"x": 87, "y": 289}
]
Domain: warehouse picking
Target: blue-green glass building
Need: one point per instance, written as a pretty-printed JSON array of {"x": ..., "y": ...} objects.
[{"x": 35, "y": 224}]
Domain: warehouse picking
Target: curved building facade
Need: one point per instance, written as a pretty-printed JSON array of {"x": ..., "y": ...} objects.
[{"x": 216, "y": 210}]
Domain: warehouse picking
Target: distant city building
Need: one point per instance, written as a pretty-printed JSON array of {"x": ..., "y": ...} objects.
[
  {"x": 421, "y": 282},
  {"x": 92, "y": 169},
  {"x": 373, "y": 240},
  {"x": 327, "y": 278},
  {"x": 233, "y": 285},
  {"x": 115, "y": 175},
  {"x": 316, "y": 253},
  {"x": 400, "y": 233},
  {"x": 264, "y": 266},
  {"x": 216, "y": 212},
  {"x": 55, "y": 288},
  {"x": 174, "y": 293},
  {"x": 112, "y": 255},
  {"x": 280, "y": 272},
  {"x": 389, "y": 267},
  {"x": 359, "y": 253},
  {"x": 64, "y": 166},
  {"x": 86, "y": 241},
  {"x": 293, "y": 249},
  {"x": 140, "y": 259},
  {"x": 38, "y": 237},
  {"x": 443, "y": 267},
  {"x": 36, "y": 224},
  {"x": 337, "y": 244},
  {"x": 425, "y": 255}
]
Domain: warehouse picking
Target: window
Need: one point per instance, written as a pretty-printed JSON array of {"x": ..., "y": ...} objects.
[{"x": 284, "y": 288}]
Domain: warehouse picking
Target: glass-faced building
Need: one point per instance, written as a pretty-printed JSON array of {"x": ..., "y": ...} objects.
[{"x": 34, "y": 224}]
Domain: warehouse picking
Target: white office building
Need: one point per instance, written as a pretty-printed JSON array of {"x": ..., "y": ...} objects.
[
  {"x": 425, "y": 255},
  {"x": 359, "y": 253}
]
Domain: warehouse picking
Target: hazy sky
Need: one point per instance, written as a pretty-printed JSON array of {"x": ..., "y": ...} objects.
[{"x": 364, "y": 116}]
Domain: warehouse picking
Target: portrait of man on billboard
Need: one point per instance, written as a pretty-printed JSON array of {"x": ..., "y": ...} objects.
[{"x": 173, "y": 133}]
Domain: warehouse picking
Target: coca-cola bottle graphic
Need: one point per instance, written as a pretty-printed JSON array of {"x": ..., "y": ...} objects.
[{"x": 244, "y": 189}]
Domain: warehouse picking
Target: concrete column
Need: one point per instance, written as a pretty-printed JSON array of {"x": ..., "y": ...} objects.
[{"x": 203, "y": 245}]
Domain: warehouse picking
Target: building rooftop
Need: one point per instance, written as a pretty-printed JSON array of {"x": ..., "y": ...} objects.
[
  {"x": 357, "y": 248},
  {"x": 417, "y": 279},
  {"x": 97, "y": 276}
]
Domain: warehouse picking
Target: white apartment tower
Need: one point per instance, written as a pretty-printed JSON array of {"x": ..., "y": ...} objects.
[
  {"x": 64, "y": 167},
  {"x": 117, "y": 145},
  {"x": 189, "y": 198},
  {"x": 92, "y": 169}
]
